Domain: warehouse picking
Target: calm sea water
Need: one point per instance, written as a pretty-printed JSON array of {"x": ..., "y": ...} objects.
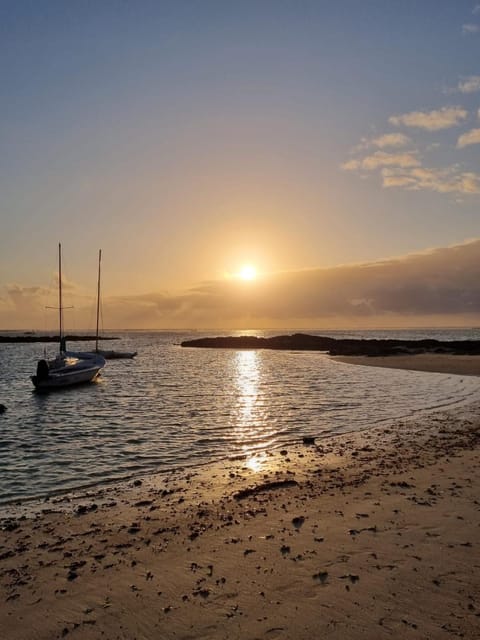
[{"x": 172, "y": 407}]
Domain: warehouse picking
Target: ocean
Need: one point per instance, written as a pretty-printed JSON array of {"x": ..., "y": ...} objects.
[{"x": 174, "y": 407}]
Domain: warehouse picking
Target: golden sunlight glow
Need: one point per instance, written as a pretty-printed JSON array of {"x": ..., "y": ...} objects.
[
  {"x": 249, "y": 409},
  {"x": 256, "y": 462},
  {"x": 247, "y": 380},
  {"x": 248, "y": 272}
]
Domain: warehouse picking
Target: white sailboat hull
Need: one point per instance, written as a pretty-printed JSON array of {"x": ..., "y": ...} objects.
[
  {"x": 112, "y": 355},
  {"x": 69, "y": 368},
  {"x": 78, "y": 369}
]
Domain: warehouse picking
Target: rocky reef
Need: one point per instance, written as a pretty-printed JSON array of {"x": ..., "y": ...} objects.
[{"x": 339, "y": 346}]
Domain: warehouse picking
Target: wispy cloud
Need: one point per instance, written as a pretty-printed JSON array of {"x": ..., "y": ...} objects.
[
  {"x": 443, "y": 118},
  {"x": 470, "y": 29},
  {"x": 471, "y": 84},
  {"x": 25, "y": 307},
  {"x": 382, "y": 159},
  {"x": 468, "y": 138},
  {"x": 351, "y": 165},
  {"x": 405, "y": 171},
  {"x": 447, "y": 180},
  {"x": 391, "y": 140},
  {"x": 25, "y": 299},
  {"x": 476, "y": 9}
]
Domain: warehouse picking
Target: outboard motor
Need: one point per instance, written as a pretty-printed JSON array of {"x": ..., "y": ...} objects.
[{"x": 42, "y": 370}]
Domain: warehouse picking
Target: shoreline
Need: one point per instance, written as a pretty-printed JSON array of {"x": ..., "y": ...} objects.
[
  {"x": 31, "y": 505},
  {"x": 465, "y": 365},
  {"x": 365, "y": 534},
  {"x": 427, "y": 362}
]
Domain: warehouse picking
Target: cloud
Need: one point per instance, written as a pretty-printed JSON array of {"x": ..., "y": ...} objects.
[
  {"x": 471, "y": 84},
  {"x": 476, "y": 9},
  {"x": 437, "y": 286},
  {"x": 23, "y": 307},
  {"x": 404, "y": 170},
  {"x": 468, "y": 138},
  {"x": 448, "y": 180},
  {"x": 351, "y": 165},
  {"x": 25, "y": 299},
  {"x": 443, "y": 118},
  {"x": 443, "y": 282},
  {"x": 391, "y": 140},
  {"x": 381, "y": 159},
  {"x": 469, "y": 29}
]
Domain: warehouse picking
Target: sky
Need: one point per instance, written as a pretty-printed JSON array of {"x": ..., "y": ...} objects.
[{"x": 332, "y": 146}]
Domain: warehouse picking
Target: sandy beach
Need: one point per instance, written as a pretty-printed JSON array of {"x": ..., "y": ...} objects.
[
  {"x": 433, "y": 362},
  {"x": 367, "y": 535}
]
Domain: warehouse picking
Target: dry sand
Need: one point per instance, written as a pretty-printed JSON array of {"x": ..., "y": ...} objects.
[
  {"x": 363, "y": 536},
  {"x": 434, "y": 362}
]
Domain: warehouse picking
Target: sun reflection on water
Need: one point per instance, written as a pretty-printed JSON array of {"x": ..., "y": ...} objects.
[
  {"x": 247, "y": 378},
  {"x": 256, "y": 462},
  {"x": 248, "y": 409}
]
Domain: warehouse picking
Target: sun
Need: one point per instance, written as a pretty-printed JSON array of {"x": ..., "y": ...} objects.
[{"x": 247, "y": 272}]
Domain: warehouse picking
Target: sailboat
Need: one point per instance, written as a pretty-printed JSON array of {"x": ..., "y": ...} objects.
[
  {"x": 68, "y": 368},
  {"x": 110, "y": 354}
]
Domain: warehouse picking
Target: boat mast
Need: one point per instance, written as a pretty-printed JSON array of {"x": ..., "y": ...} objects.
[
  {"x": 60, "y": 308},
  {"x": 98, "y": 297}
]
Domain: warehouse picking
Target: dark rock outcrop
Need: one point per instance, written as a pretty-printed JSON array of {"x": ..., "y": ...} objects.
[{"x": 339, "y": 346}]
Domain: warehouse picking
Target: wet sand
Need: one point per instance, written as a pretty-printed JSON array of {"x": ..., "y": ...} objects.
[
  {"x": 433, "y": 362},
  {"x": 361, "y": 536}
]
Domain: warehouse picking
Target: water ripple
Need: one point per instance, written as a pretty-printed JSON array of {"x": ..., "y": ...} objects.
[{"x": 172, "y": 407}]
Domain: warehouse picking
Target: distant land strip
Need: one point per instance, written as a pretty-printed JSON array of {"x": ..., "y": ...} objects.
[
  {"x": 340, "y": 346},
  {"x": 35, "y": 338}
]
